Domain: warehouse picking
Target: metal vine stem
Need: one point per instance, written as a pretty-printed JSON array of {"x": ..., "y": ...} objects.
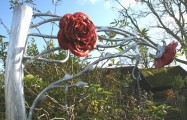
[{"x": 127, "y": 37}]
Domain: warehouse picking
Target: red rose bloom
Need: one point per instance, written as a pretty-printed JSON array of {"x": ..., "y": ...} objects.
[
  {"x": 77, "y": 33},
  {"x": 168, "y": 55}
]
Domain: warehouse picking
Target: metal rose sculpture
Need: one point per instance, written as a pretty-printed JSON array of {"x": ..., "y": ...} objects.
[
  {"x": 77, "y": 33},
  {"x": 167, "y": 56}
]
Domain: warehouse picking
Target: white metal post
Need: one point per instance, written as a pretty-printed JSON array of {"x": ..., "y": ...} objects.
[{"x": 14, "y": 93}]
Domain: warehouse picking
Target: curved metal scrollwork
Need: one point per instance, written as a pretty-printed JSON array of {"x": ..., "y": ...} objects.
[{"x": 125, "y": 37}]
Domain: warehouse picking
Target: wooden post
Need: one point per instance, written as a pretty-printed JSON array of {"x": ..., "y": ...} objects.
[{"x": 14, "y": 93}]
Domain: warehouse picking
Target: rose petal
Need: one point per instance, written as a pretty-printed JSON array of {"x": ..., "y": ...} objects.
[
  {"x": 78, "y": 52},
  {"x": 64, "y": 21},
  {"x": 77, "y": 33},
  {"x": 63, "y": 42},
  {"x": 81, "y": 15}
]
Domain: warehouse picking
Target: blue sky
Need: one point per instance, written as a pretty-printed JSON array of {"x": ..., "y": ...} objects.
[{"x": 99, "y": 11}]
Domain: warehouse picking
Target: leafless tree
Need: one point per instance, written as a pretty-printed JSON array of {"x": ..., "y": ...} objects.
[{"x": 164, "y": 19}]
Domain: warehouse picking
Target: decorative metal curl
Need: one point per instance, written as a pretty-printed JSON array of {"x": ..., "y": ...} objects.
[
  {"x": 160, "y": 50},
  {"x": 32, "y": 58}
]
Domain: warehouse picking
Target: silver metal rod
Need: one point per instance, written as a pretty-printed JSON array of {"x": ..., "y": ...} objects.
[{"x": 14, "y": 93}]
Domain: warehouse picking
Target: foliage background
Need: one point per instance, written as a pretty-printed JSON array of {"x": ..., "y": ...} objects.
[{"x": 103, "y": 98}]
